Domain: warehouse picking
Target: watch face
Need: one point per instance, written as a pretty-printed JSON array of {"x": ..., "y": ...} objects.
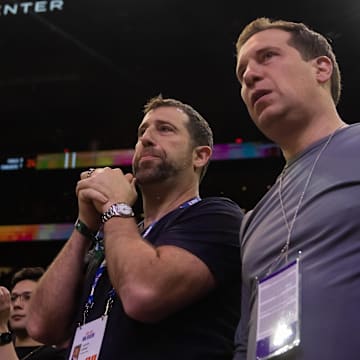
[
  {"x": 119, "y": 209},
  {"x": 123, "y": 209}
]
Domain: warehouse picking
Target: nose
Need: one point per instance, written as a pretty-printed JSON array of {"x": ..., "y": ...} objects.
[
  {"x": 18, "y": 302},
  {"x": 252, "y": 74},
  {"x": 147, "y": 137}
]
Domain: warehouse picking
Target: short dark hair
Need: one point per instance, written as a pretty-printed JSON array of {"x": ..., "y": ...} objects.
[
  {"x": 309, "y": 43},
  {"x": 27, "y": 273},
  {"x": 199, "y": 129}
]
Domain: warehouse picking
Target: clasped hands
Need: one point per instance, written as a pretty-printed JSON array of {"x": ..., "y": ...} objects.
[{"x": 100, "y": 188}]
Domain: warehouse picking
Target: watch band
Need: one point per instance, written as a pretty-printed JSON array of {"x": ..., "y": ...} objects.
[
  {"x": 117, "y": 209},
  {"x": 84, "y": 230},
  {"x": 6, "y": 338}
]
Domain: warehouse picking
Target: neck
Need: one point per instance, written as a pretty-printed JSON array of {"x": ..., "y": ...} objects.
[
  {"x": 300, "y": 139},
  {"x": 159, "y": 201},
  {"x": 23, "y": 339},
  {"x": 295, "y": 129}
]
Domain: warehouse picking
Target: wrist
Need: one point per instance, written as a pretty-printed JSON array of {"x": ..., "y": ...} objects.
[
  {"x": 83, "y": 229},
  {"x": 118, "y": 209},
  {"x": 4, "y": 328},
  {"x": 6, "y": 337}
]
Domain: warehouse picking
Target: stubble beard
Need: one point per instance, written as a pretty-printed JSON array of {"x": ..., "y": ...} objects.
[{"x": 152, "y": 174}]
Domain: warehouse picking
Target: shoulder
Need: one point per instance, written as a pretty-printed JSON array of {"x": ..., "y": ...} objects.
[
  {"x": 220, "y": 203},
  {"x": 208, "y": 216},
  {"x": 215, "y": 210},
  {"x": 349, "y": 136}
]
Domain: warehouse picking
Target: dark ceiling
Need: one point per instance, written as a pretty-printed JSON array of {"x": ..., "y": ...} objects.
[{"x": 78, "y": 77}]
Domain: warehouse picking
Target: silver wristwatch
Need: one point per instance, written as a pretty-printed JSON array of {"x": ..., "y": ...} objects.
[{"x": 117, "y": 209}]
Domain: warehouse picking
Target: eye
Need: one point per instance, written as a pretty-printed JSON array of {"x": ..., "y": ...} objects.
[
  {"x": 240, "y": 77},
  {"x": 26, "y": 296},
  {"x": 268, "y": 55},
  {"x": 141, "y": 132},
  {"x": 165, "y": 128},
  {"x": 240, "y": 74}
]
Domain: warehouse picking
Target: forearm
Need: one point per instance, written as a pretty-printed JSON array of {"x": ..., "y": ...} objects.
[
  {"x": 7, "y": 352},
  {"x": 55, "y": 300},
  {"x": 131, "y": 261},
  {"x": 151, "y": 282}
]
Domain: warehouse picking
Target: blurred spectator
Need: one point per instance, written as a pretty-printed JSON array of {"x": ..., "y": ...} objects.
[{"x": 15, "y": 343}]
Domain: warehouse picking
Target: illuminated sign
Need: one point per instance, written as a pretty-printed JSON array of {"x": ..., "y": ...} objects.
[
  {"x": 14, "y": 163},
  {"x": 28, "y": 7},
  {"x": 85, "y": 159}
]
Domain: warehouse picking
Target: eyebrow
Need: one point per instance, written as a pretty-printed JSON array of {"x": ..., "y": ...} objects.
[
  {"x": 21, "y": 293},
  {"x": 258, "y": 52},
  {"x": 157, "y": 122}
]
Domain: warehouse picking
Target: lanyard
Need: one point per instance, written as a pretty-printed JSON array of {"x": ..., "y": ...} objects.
[
  {"x": 290, "y": 224},
  {"x": 190, "y": 202},
  {"x": 184, "y": 205},
  {"x": 90, "y": 300}
]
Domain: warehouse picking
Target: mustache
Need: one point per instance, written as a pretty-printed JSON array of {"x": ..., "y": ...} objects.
[
  {"x": 150, "y": 152},
  {"x": 146, "y": 152}
]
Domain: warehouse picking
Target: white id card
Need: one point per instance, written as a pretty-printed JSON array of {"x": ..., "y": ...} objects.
[
  {"x": 88, "y": 340},
  {"x": 278, "y": 328}
]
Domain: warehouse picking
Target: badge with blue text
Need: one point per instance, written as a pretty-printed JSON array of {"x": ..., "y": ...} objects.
[
  {"x": 88, "y": 340},
  {"x": 278, "y": 312}
]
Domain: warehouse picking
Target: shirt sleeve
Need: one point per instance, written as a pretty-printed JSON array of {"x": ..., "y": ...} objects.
[{"x": 210, "y": 231}]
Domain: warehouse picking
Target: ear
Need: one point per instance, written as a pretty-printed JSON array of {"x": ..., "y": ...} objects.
[
  {"x": 324, "y": 68},
  {"x": 201, "y": 156}
]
